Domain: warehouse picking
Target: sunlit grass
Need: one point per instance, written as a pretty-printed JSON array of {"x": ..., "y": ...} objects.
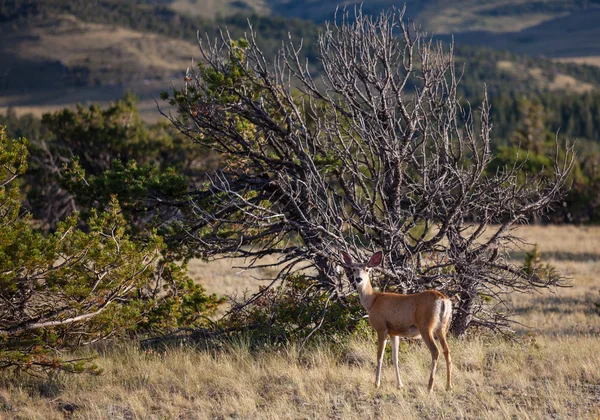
[{"x": 551, "y": 371}]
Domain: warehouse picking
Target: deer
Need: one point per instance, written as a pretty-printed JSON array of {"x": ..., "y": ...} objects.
[{"x": 423, "y": 315}]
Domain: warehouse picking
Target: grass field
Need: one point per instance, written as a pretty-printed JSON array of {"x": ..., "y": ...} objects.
[{"x": 551, "y": 371}]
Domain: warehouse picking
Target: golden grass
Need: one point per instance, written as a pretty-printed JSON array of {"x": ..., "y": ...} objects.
[
  {"x": 225, "y": 277},
  {"x": 222, "y": 276},
  {"x": 559, "y": 81},
  {"x": 537, "y": 378},
  {"x": 101, "y": 46},
  {"x": 591, "y": 60},
  {"x": 553, "y": 371},
  {"x": 569, "y": 83},
  {"x": 213, "y": 8},
  {"x": 62, "y": 99},
  {"x": 569, "y": 239}
]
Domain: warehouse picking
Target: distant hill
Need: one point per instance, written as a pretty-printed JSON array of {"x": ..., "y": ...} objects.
[
  {"x": 575, "y": 35},
  {"x": 54, "y": 53},
  {"x": 441, "y": 16},
  {"x": 555, "y": 28},
  {"x": 77, "y": 53}
]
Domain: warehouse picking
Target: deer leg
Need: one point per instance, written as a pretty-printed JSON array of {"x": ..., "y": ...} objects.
[
  {"x": 435, "y": 353},
  {"x": 381, "y": 339},
  {"x": 444, "y": 343},
  {"x": 395, "y": 346}
]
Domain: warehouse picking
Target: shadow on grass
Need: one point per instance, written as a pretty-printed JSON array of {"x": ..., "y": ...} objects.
[
  {"x": 560, "y": 256},
  {"x": 560, "y": 304},
  {"x": 570, "y": 331}
]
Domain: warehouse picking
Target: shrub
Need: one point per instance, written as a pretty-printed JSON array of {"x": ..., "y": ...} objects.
[
  {"x": 297, "y": 310},
  {"x": 73, "y": 287}
]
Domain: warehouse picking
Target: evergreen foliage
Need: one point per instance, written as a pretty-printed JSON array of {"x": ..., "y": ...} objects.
[
  {"x": 575, "y": 116},
  {"x": 96, "y": 140},
  {"x": 73, "y": 287}
]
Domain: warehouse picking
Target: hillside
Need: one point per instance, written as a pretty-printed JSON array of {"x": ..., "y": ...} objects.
[
  {"x": 54, "y": 63},
  {"x": 575, "y": 35},
  {"x": 555, "y": 28},
  {"x": 90, "y": 54},
  {"x": 441, "y": 16},
  {"x": 56, "y": 53}
]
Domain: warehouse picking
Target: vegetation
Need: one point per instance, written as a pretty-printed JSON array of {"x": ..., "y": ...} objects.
[
  {"x": 509, "y": 74},
  {"x": 294, "y": 312},
  {"x": 73, "y": 287},
  {"x": 112, "y": 153},
  {"x": 101, "y": 215},
  {"x": 371, "y": 162},
  {"x": 163, "y": 165},
  {"x": 531, "y": 143},
  {"x": 551, "y": 370},
  {"x": 482, "y": 65},
  {"x": 157, "y": 19},
  {"x": 575, "y": 116}
]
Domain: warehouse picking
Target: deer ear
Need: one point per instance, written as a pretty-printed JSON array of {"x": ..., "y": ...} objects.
[
  {"x": 346, "y": 258},
  {"x": 375, "y": 260}
]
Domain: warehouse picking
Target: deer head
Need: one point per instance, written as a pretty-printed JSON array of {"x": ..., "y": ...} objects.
[{"x": 361, "y": 272}]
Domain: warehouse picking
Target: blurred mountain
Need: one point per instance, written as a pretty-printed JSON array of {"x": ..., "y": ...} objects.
[
  {"x": 439, "y": 16},
  {"x": 554, "y": 28},
  {"x": 54, "y": 53}
]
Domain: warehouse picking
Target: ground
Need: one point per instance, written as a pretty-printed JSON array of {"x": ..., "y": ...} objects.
[{"x": 551, "y": 371}]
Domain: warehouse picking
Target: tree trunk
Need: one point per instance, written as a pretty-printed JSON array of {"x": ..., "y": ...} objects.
[{"x": 464, "y": 314}]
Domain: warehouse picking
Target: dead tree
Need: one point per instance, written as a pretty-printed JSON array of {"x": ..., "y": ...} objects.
[{"x": 375, "y": 152}]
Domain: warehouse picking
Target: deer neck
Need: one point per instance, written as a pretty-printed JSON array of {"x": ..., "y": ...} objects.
[{"x": 366, "y": 292}]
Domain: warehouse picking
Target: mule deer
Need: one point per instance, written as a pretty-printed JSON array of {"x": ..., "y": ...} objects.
[{"x": 426, "y": 315}]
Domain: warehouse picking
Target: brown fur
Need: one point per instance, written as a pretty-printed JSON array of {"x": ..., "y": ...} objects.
[{"x": 426, "y": 315}]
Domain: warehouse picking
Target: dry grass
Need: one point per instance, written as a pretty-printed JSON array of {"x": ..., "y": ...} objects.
[
  {"x": 553, "y": 371},
  {"x": 53, "y": 100},
  {"x": 213, "y": 8},
  {"x": 147, "y": 107},
  {"x": 537, "y": 378},
  {"x": 453, "y": 20},
  {"x": 591, "y": 60},
  {"x": 563, "y": 239},
  {"x": 225, "y": 277},
  {"x": 100, "y": 46},
  {"x": 569, "y": 83},
  {"x": 123, "y": 59},
  {"x": 575, "y": 253},
  {"x": 558, "y": 81}
]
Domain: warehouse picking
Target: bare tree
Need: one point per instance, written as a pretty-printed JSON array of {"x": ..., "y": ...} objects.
[{"x": 376, "y": 152}]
